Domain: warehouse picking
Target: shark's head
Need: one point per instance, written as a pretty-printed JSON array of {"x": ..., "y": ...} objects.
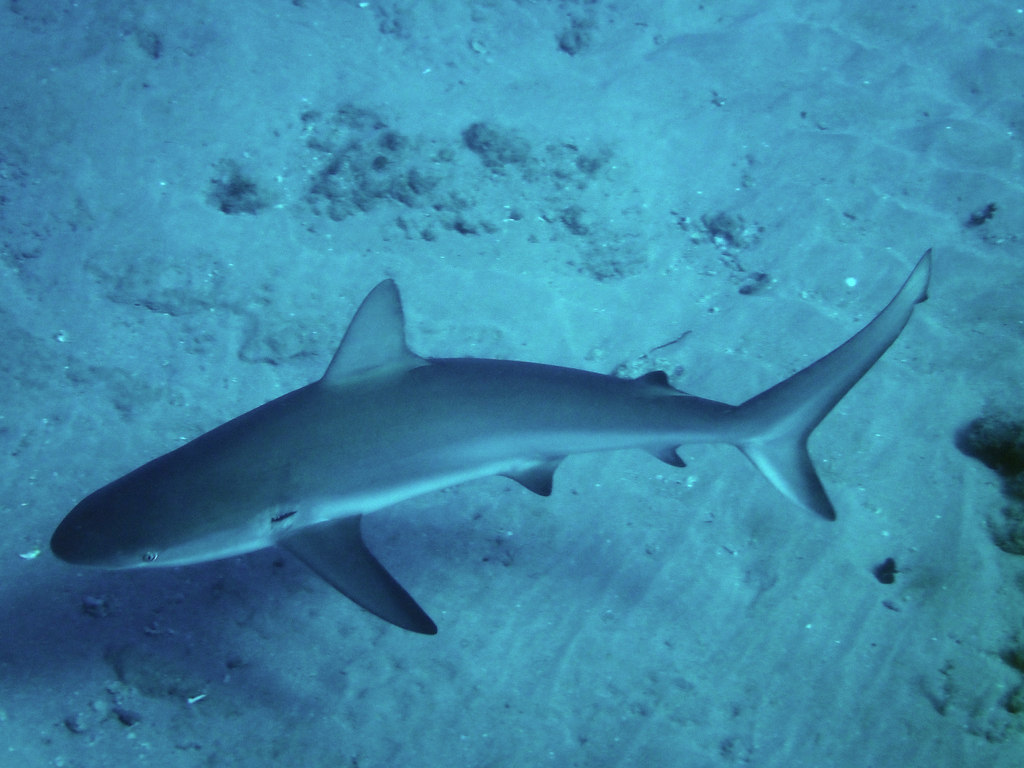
[
  {"x": 105, "y": 531},
  {"x": 144, "y": 519},
  {"x": 244, "y": 485},
  {"x": 92, "y": 534}
]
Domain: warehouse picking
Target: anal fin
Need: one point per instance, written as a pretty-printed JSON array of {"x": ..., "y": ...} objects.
[
  {"x": 667, "y": 453},
  {"x": 539, "y": 478},
  {"x": 335, "y": 551}
]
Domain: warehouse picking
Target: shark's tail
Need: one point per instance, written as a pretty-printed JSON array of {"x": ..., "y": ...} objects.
[{"x": 780, "y": 419}]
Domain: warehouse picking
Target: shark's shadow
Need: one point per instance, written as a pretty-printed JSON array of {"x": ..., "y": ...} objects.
[{"x": 178, "y": 633}]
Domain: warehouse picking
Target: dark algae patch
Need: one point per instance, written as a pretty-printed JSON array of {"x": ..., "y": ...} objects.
[{"x": 998, "y": 443}]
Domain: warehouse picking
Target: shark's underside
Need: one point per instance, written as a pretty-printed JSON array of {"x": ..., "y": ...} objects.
[{"x": 384, "y": 425}]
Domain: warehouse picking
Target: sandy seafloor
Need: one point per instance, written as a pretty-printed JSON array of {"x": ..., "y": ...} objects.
[{"x": 194, "y": 197}]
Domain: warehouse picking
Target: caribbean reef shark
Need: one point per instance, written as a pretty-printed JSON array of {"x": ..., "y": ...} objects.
[{"x": 384, "y": 425}]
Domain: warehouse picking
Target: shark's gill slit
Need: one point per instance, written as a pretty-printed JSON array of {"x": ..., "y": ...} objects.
[{"x": 282, "y": 516}]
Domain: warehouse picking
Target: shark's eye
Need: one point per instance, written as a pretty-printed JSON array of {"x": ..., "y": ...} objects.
[
  {"x": 150, "y": 556},
  {"x": 282, "y": 516}
]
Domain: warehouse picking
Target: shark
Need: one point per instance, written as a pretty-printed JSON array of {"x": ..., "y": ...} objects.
[{"x": 384, "y": 424}]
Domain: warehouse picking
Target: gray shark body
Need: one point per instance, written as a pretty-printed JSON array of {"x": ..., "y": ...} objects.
[{"x": 384, "y": 425}]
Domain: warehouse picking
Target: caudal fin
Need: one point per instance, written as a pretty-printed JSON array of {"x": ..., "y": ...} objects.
[{"x": 780, "y": 419}]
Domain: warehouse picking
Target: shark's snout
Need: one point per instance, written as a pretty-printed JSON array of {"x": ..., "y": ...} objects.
[
  {"x": 78, "y": 543},
  {"x": 102, "y": 530}
]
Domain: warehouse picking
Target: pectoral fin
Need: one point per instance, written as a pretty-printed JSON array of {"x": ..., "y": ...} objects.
[{"x": 336, "y": 552}]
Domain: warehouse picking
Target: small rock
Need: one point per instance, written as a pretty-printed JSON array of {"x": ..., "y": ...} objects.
[
  {"x": 75, "y": 723},
  {"x": 95, "y": 606},
  {"x": 886, "y": 572},
  {"x": 127, "y": 716}
]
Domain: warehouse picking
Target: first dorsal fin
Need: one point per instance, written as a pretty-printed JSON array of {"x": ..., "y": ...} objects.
[{"x": 375, "y": 338}]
